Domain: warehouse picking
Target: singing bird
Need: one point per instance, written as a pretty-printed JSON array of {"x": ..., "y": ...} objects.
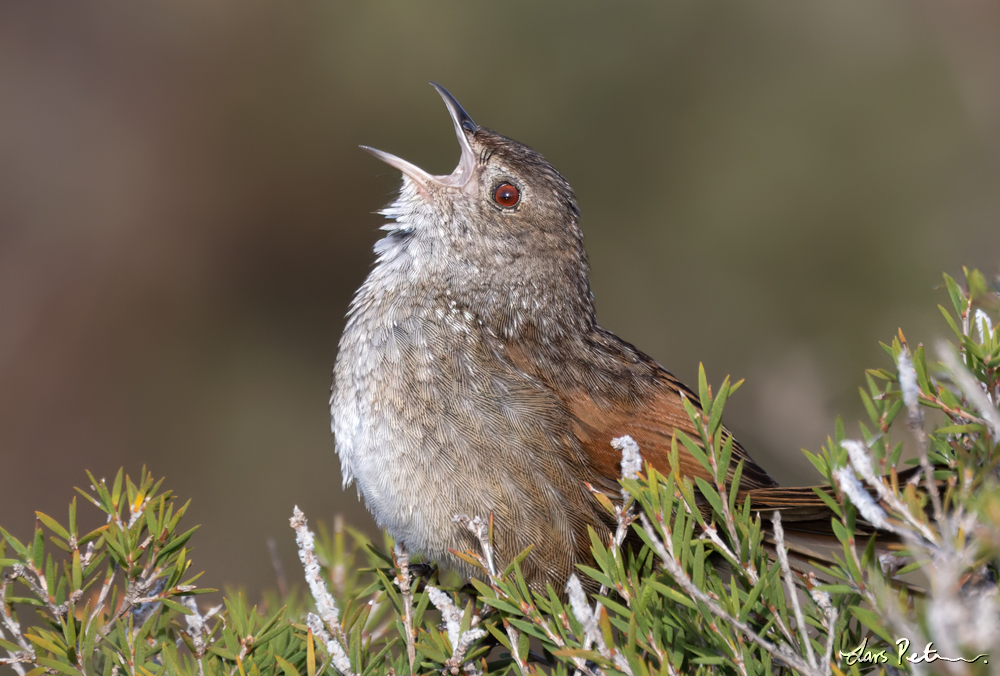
[{"x": 473, "y": 377}]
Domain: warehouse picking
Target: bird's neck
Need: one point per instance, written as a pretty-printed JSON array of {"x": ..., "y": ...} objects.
[{"x": 509, "y": 292}]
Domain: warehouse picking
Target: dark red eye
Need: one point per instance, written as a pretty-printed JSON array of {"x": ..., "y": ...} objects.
[{"x": 506, "y": 195}]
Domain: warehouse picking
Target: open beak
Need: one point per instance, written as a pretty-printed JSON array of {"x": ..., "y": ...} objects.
[{"x": 464, "y": 129}]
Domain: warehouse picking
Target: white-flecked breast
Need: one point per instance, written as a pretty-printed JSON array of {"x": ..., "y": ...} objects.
[
  {"x": 432, "y": 415},
  {"x": 395, "y": 360}
]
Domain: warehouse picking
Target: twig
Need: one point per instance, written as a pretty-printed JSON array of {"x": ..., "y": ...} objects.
[
  {"x": 624, "y": 513},
  {"x": 196, "y": 628},
  {"x": 326, "y": 606},
  {"x": 861, "y": 461},
  {"x": 971, "y": 389},
  {"x": 875, "y": 515},
  {"x": 338, "y": 657},
  {"x": 588, "y": 618},
  {"x": 27, "y": 655},
  {"x": 12, "y": 625},
  {"x": 625, "y": 517},
  {"x": 460, "y": 641},
  {"x": 915, "y": 421},
  {"x": 135, "y": 592},
  {"x": 101, "y": 600},
  {"x": 401, "y": 557},
  {"x": 39, "y": 586},
  {"x": 822, "y": 599},
  {"x": 664, "y": 549},
  {"x": 480, "y": 530},
  {"x": 786, "y": 573}
]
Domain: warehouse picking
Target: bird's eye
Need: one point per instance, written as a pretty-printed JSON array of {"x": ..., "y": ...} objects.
[{"x": 506, "y": 195}]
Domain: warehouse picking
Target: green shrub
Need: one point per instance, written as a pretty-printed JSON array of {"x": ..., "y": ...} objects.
[{"x": 710, "y": 590}]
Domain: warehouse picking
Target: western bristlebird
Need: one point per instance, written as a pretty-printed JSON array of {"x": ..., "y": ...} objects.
[{"x": 473, "y": 377}]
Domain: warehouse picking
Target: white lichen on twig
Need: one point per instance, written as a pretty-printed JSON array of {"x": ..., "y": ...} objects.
[
  {"x": 589, "y": 617},
  {"x": 403, "y": 580},
  {"x": 974, "y": 392},
  {"x": 480, "y": 530},
  {"x": 792, "y": 592},
  {"x": 664, "y": 548},
  {"x": 459, "y": 640},
  {"x": 326, "y": 607}
]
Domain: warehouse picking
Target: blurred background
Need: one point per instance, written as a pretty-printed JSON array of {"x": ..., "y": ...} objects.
[{"x": 770, "y": 188}]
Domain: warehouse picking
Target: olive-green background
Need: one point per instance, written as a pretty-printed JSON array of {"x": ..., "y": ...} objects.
[{"x": 770, "y": 188}]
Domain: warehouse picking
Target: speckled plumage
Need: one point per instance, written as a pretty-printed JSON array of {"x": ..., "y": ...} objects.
[
  {"x": 432, "y": 416},
  {"x": 473, "y": 377}
]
